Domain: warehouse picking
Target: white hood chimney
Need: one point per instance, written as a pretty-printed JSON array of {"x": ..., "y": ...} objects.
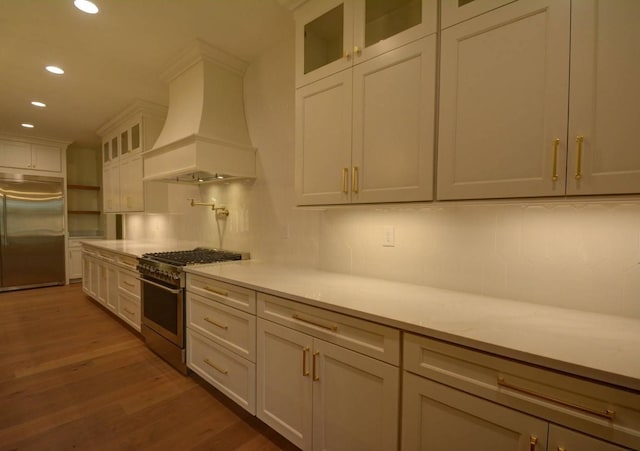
[{"x": 205, "y": 136}]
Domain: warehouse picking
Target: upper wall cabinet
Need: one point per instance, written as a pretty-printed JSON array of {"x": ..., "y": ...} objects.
[
  {"x": 124, "y": 138},
  {"x": 456, "y": 11},
  {"x": 504, "y": 101},
  {"x": 365, "y": 134},
  {"x": 604, "y": 107},
  {"x": 32, "y": 156},
  {"x": 336, "y": 34}
]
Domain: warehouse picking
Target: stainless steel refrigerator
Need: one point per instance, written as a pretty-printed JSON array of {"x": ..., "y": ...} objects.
[{"x": 31, "y": 231}]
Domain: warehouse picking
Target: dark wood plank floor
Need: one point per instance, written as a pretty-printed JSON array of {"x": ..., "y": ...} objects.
[{"x": 73, "y": 377}]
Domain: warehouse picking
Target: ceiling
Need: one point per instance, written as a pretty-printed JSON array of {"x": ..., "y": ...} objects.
[{"x": 114, "y": 57}]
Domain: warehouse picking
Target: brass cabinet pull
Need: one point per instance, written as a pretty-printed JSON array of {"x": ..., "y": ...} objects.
[
  {"x": 215, "y": 367},
  {"x": 608, "y": 413},
  {"x": 357, "y": 50},
  {"x": 126, "y": 310},
  {"x": 129, "y": 284},
  {"x": 579, "y": 141},
  {"x": 347, "y": 55},
  {"x": 345, "y": 186},
  {"x": 305, "y": 370},
  {"x": 556, "y": 142},
  {"x": 332, "y": 328},
  {"x": 354, "y": 179},
  {"x": 221, "y": 326},
  {"x": 532, "y": 442},
  {"x": 315, "y": 366},
  {"x": 213, "y": 290},
  {"x": 560, "y": 448}
]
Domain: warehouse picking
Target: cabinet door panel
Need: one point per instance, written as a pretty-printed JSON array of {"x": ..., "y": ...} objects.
[
  {"x": 393, "y": 121},
  {"x": 46, "y": 158},
  {"x": 503, "y": 102},
  {"x": 435, "y": 417},
  {"x": 605, "y": 97},
  {"x": 15, "y": 154},
  {"x": 455, "y": 11},
  {"x": 323, "y": 140},
  {"x": 355, "y": 400},
  {"x": 283, "y": 388}
]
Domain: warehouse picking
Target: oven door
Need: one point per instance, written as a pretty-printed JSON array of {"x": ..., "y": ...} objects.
[{"x": 163, "y": 309}]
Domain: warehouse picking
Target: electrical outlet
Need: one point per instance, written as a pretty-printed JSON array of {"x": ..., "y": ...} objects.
[{"x": 389, "y": 236}]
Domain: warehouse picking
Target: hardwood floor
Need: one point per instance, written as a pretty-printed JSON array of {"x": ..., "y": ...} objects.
[{"x": 73, "y": 377}]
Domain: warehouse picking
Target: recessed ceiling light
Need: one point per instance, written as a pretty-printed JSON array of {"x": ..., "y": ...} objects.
[
  {"x": 55, "y": 70},
  {"x": 25, "y": 125},
  {"x": 86, "y": 6},
  {"x": 40, "y": 104}
]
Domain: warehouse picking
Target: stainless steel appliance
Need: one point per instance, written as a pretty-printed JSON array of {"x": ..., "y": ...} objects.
[
  {"x": 31, "y": 231},
  {"x": 163, "y": 298}
]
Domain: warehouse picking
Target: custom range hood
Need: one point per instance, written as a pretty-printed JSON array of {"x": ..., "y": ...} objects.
[{"x": 205, "y": 135}]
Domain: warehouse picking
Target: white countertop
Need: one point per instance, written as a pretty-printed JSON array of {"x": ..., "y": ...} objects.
[
  {"x": 136, "y": 248},
  {"x": 596, "y": 346}
]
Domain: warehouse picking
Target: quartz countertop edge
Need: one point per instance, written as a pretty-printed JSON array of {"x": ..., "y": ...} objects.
[
  {"x": 135, "y": 248},
  {"x": 590, "y": 345}
]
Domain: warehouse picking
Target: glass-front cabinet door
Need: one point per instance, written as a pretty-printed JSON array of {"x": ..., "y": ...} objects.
[{"x": 335, "y": 35}]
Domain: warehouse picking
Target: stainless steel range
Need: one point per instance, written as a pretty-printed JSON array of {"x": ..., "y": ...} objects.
[{"x": 163, "y": 298}]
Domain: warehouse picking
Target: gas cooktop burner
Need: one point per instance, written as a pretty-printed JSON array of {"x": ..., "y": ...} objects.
[{"x": 198, "y": 255}]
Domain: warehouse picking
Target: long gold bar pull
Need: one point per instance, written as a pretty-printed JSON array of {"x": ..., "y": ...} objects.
[
  {"x": 556, "y": 142},
  {"x": 315, "y": 366},
  {"x": 305, "y": 369},
  {"x": 579, "y": 141},
  {"x": 354, "y": 179},
  {"x": 533, "y": 440},
  {"x": 345, "y": 175},
  {"x": 608, "y": 413}
]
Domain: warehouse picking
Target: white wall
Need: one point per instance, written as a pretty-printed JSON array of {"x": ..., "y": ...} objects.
[{"x": 581, "y": 254}]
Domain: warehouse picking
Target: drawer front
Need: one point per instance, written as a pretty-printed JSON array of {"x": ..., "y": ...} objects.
[
  {"x": 226, "y": 371},
  {"x": 229, "y": 327},
  {"x": 601, "y": 410},
  {"x": 374, "y": 340},
  {"x": 129, "y": 310},
  {"x": 129, "y": 283},
  {"x": 226, "y": 293},
  {"x": 127, "y": 262}
]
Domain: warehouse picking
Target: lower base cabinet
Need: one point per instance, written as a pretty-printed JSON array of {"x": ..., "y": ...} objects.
[
  {"x": 322, "y": 396},
  {"x": 436, "y": 417}
]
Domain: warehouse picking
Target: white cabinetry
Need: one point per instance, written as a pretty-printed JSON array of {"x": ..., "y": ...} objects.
[
  {"x": 506, "y": 93},
  {"x": 365, "y": 133},
  {"x": 124, "y": 139},
  {"x": 34, "y": 156},
  {"x": 506, "y": 404},
  {"x": 319, "y": 384},
  {"x": 111, "y": 279},
  {"x": 221, "y": 337},
  {"x": 74, "y": 262}
]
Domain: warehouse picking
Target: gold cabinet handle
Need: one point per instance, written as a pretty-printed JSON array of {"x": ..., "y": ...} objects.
[
  {"x": 560, "y": 448},
  {"x": 532, "y": 442},
  {"x": 315, "y": 366},
  {"x": 354, "y": 179},
  {"x": 126, "y": 310},
  {"x": 216, "y": 291},
  {"x": 129, "y": 284},
  {"x": 347, "y": 55},
  {"x": 357, "y": 50},
  {"x": 215, "y": 323},
  {"x": 215, "y": 367},
  {"x": 332, "y": 328},
  {"x": 608, "y": 413},
  {"x": 556, "y": 142},
  {"x": 579, "y": 141},
  {"x": 345, "y": 175},
  {"x": 305, "y": 370}
]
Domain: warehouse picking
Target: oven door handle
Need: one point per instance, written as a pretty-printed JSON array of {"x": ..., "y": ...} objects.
[{"x": 170, "y": 290}]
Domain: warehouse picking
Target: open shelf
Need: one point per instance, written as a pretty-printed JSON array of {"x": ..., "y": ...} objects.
[{"x": 84, "y": 187}]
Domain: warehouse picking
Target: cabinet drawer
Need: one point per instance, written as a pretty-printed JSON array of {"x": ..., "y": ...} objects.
[
  {"x": 129, "y": 283},
  {"x": 231, "y": 295},
  {"x": 129, "y": 310},
  {"x": 226, "y": 371},
  {"x": 379, "y": 342},
  {"x": 228, "y": 327},
  {"x": 601, "y": 410},
  {"x": 127, "y": 261}
]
